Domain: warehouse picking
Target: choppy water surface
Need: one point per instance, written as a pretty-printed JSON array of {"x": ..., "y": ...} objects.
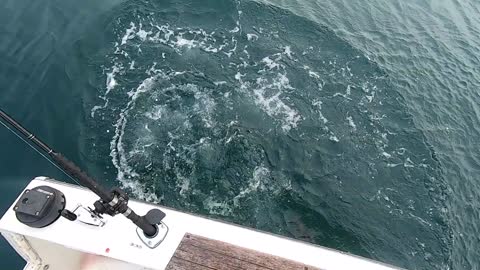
[{"x": 348, "y": 125}]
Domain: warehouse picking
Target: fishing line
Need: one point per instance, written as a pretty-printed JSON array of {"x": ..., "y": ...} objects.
[{"x": 38, "y": 151}]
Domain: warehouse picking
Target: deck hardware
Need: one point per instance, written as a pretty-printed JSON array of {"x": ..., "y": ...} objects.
[
  {"x": 157, "y": 239},
  {"x": 88, "y": 216},
  {"x": 36, "y": 210}
]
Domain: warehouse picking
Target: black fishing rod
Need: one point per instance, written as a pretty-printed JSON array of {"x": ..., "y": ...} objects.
[{"x": 111, "y": 202}]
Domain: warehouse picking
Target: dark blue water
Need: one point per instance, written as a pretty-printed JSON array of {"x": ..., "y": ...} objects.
[{"x": 352, "y": 125}]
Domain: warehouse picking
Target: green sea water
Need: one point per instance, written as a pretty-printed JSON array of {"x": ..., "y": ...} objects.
[{"x": 349, "y": 124}]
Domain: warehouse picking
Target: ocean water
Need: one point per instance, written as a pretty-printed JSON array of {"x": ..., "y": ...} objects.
[{"x": 349, "y": 124}]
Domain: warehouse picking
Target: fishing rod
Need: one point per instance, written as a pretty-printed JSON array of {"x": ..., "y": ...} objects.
[{"x": 111, "y": 202}]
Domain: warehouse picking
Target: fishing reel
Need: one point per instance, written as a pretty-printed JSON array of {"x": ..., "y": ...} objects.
[
  {"x": 153, "y": 218},
  {"x": 119, "y": 204}
]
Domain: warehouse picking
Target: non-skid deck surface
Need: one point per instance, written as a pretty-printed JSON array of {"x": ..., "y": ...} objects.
[{"x": 200, "y": 253}]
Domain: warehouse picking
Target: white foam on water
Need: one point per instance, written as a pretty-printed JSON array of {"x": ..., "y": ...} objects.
[
  {"x": 182, "y": 42},
  {"x": 252, "y": 37},
  {"x": 334, "y": 138},
  {"x": 287, "y": 51},
  {"x": 147, "y": 128},
  {"x": 342, "y": 95},
  {"x": 318, "y": 104},
  {"x": 111, "y": 82},
  {"x": 270, "y": 63},
  {"x": 408, "y": 163},
  {"x": 183, "y": 183},
  {"x": 370, "y": 93},
  {"x": 267, "y": 91},
  {"x": 176, "y": 38},
  {"x": 370, "y": 97},
  {"x": 313, "y": 74},
  {"x": 143, "y": 145},
  {"x": 351, "y": 123},
  {"x": 205, "y": 105},
  {"x": 375, "y": 117},
  {"x": 258, "y": 181},
  {"x": 129, "y": 33},
  {"x": 282, "y": 82},
  {"x": 125, "y": 173},
  {"x": 238, "y": 76},
  {"x": 142, "y": 34},
  {"x": 156, "y": 113},
  {"x": 95, "y": 109},
  {"x": 387, "y": 155},
  {"x": 217, "y": 207},
  {"x": 393, "y": 165},
  {"x": 211, "y": 49},
  {"x": 272, "y": 104},
  {"x": 179, "y": 73},
  {"x": 219, "y": 83},
  {"x": 235, "y": 30},
  {"x": 98, "y": 107}
]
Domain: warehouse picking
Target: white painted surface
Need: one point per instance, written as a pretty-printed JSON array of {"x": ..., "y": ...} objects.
[{"x": 118, "y": 236}]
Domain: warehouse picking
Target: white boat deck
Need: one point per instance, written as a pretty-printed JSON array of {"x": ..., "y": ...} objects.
[{"x": 74, "y": 245}]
